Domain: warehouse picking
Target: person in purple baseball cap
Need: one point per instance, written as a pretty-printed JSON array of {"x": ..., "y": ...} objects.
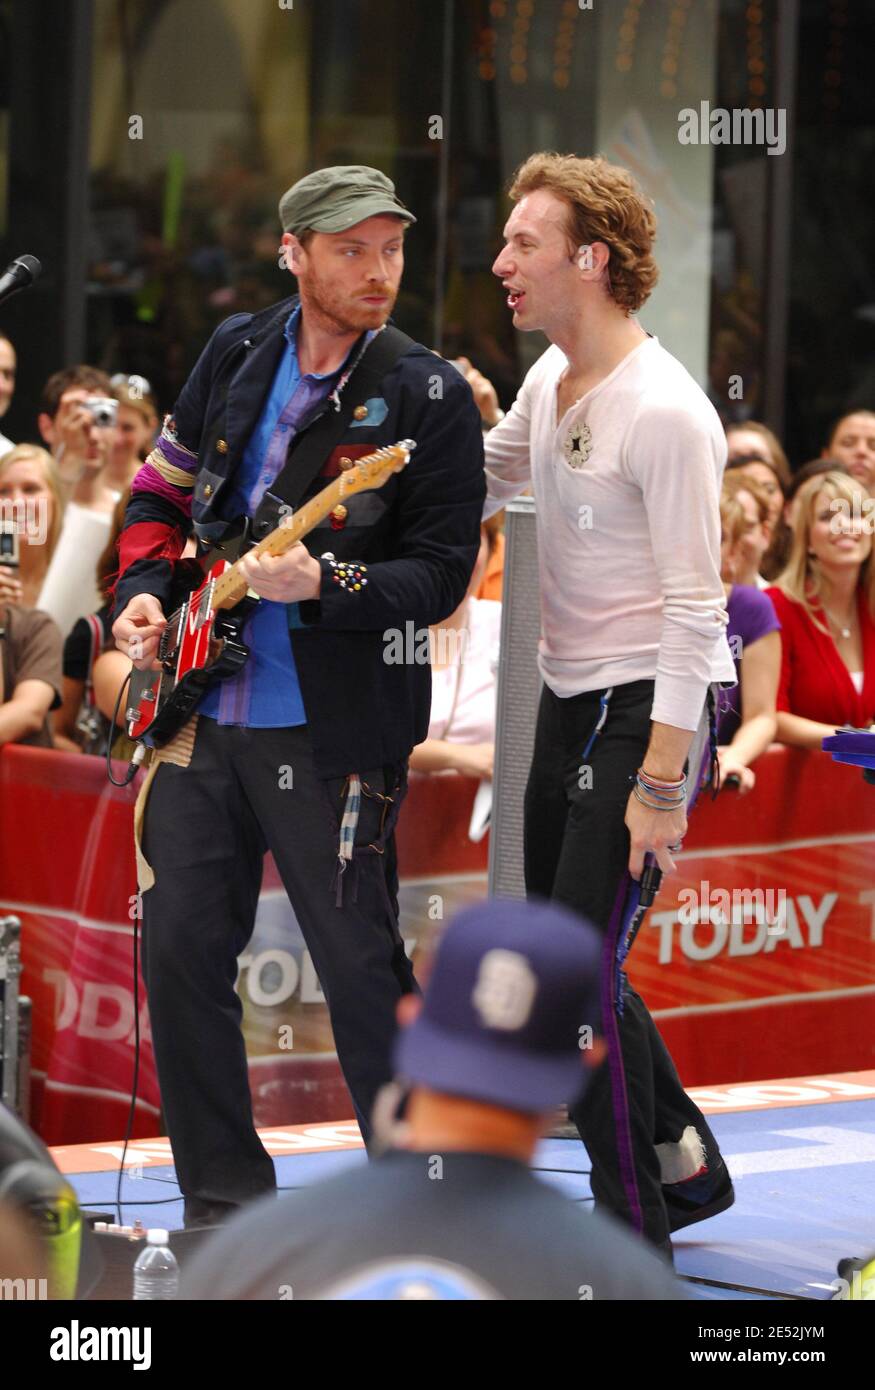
[
  {"x": 507, "y": 1030},
  {"x": 511, "y": 1010}
]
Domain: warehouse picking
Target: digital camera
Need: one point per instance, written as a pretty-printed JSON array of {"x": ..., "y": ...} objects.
[
  {"x": 9, "y": 544},
  {"x": 103, "y": 410}
]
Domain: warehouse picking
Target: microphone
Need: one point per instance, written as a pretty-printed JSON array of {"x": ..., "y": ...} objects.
[
  {"x": 17, "y": 276},
  {"x": 651, "y": 878}
]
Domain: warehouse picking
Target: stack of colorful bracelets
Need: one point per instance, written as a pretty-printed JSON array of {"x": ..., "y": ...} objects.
[{"x": 660, "y": 795}]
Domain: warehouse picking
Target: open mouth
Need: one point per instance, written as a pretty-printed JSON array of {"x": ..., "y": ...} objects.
[{"x": 515, "y": 297}]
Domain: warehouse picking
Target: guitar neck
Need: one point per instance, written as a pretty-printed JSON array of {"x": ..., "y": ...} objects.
[{"x": 233, "y": 585}]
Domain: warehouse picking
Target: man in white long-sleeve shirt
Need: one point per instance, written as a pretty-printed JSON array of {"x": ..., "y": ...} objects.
[{"x": 624, "y": 454}]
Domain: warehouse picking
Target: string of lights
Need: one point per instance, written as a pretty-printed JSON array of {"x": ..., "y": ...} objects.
[
  {"x": 671, "y": 51},
  {"x": 756, "y": 56},
  {"x": 563, "y": 48},
  {"x": 832, "y": 71},
  {"x": 626, "y": 35}
]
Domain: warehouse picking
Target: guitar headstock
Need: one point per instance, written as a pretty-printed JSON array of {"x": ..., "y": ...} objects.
[{"x": 376, "y": 468}]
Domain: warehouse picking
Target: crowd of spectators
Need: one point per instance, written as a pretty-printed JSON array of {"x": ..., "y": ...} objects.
[
  {"x": 796, "y": 567},
  {"x": 62, "y": 503}
]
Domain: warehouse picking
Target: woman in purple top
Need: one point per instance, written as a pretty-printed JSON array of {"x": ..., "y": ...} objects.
[{"x": 747, "y": 720}]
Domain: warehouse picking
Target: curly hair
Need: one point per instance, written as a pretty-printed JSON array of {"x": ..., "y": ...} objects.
[{"x": 604, "y": 204}]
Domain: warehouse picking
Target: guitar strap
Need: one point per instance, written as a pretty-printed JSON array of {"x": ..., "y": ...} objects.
[
  {"x": 97, "y": 637},
  {"x": 309, "y": 449}
]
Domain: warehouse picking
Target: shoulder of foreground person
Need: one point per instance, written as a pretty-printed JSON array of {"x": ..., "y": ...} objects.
[
  {"x": 35, "y": 649},
  {"x": 484, "y": 1217},
  {"x": 33, "y": 630}
]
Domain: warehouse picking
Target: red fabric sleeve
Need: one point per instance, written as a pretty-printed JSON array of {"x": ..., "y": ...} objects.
[{"x": 145, "y": 540}]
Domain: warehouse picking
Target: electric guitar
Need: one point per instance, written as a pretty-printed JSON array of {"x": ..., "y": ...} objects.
[{"x": 201, "y": 643}]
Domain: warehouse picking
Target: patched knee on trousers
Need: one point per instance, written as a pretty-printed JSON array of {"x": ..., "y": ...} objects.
[{"x": 682, "y": 1160}]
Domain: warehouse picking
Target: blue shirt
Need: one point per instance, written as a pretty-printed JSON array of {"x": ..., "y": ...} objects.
[{"x": 267, "y": 694}]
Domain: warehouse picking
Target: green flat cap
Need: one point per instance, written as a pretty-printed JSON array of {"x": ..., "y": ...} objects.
[{"x": 332, "y": 200}]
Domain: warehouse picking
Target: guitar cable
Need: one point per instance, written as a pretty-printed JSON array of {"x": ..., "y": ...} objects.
[
  {"x": 137, "y": 758},
  {"x": 139, "y": 751},
  {"x": 136, "y": 1077}
]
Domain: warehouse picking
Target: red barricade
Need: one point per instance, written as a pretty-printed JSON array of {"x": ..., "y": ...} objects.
[
  {"x": 773, "y": 981},
  {"x": 740, "y": 996},
  {"x": 67, "y": 870}
]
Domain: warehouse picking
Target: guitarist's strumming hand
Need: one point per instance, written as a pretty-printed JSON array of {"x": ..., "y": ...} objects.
[
  {"x": 287, "y": 578},
  {"x": 137, "y": 631}
]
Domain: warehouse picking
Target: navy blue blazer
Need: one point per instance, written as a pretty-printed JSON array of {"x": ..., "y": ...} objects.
[{"x": 418, "y": 536}]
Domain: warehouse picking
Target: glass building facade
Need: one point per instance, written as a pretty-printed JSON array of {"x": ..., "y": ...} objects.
[{"x": 144, "y": 145}]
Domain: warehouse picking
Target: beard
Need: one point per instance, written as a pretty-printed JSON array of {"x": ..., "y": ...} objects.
[{"x": 340, "y": 311}]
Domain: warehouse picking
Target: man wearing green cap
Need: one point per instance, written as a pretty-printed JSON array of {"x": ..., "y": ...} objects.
[{"x": 278, "y": 404}]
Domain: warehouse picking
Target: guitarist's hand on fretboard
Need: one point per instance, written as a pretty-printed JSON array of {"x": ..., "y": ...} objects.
[
  {"x": 137, "y": 631},
  {"x": 203, "y": 639},
  {"x": 288, "y": 578}
]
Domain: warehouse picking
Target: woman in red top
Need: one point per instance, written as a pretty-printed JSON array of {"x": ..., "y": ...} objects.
[{"x": 825, "y": 600}]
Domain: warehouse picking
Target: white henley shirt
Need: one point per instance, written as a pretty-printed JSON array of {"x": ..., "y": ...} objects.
[{"x": 627, "y": 488}]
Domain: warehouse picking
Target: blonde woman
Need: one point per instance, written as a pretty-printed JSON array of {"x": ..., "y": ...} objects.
[
  {"x": 825, "y": 600},
  {"x": 30, "y": 501},
  {"x": 134, "y": 433},
  {"x": 750, "y": 541}
]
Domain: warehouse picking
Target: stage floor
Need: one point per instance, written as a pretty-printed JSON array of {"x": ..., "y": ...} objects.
[{"x": 801, "y": 1152}]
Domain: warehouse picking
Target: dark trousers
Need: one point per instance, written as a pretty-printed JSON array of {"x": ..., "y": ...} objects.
[
  {"x": 207, "y": 828},
  {"x": 577, "y": 852}
]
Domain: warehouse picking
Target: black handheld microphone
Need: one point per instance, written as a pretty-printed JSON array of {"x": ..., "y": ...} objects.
[
  {"x": 648, "y": 887},
  {"x": 17, "y": 276},
  {"x": 651, "y": 878}
]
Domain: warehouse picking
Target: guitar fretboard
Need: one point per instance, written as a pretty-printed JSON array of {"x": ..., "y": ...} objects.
[{"x": 370, "y": 472}]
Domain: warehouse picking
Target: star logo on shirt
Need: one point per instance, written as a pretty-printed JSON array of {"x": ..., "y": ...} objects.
[{"x": 577, "y": 445}]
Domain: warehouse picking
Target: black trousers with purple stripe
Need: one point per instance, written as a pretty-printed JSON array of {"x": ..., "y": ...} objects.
[{"x": 577, "y": 852}]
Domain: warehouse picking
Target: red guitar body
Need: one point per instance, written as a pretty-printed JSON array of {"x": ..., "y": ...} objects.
[{"x": 198, "y": 647}]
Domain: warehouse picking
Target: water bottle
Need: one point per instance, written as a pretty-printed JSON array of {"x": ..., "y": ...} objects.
[{"x": 156, "y": 1273}]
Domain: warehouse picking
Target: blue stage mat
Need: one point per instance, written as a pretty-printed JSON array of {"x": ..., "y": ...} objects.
[
  {"x": 805, "y": 1198},
  {"x": 158, "y": 1185}
]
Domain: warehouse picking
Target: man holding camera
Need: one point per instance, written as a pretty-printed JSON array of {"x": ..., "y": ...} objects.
[
  {"x": 77, "y": 422},
  {"x": 76, "y": 419}
]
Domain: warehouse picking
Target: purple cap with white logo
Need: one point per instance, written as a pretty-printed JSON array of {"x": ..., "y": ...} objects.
[{"x": 510, "y": 1006}]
